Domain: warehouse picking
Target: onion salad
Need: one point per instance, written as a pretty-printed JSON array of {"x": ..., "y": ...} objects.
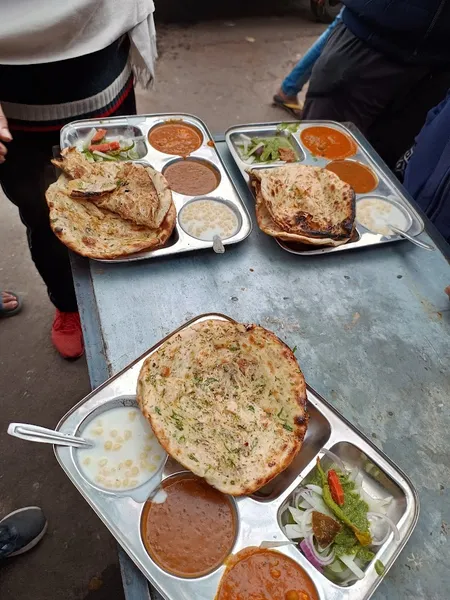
[
  {"x": 265, "y": 149},
  {"x": 337, "y": 524},
  {"x": 97, "y": 146}
]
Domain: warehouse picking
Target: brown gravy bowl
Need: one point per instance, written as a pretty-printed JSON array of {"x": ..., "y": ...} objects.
[
  {"x": 192, "y": 177},
  {"x": 192, "y": 532}
]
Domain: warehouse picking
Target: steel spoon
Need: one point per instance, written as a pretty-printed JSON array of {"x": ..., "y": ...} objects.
[
  {"x": 410, "y": 238},
  {"x": 34, "y": 433}
]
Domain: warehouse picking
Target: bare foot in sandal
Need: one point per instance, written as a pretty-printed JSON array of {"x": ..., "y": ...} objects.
[{"x": 9, "y": 304}]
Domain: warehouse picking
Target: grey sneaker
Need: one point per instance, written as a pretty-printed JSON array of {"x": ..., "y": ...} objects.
[{"x": 21, "y": 530}]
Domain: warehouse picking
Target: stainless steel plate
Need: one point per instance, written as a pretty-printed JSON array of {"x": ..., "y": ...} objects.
[
  {"x": 388, "y": 186},
  {"x": 140, "y": 125},
  {"x": 259, "y": 516}
]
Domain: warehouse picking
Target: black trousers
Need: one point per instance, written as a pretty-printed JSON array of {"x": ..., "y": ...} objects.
[
  {"x": 388, "y": 101},
  {"x": 24, "y": 177}
]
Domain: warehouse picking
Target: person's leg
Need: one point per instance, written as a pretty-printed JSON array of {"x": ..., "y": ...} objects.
[
  {"x": 25, "y": 186},
  {"x": 21, "y": 530},
  {"x": 300, "y": 74},
  {"x": 352, "y": 82},
  {"x": 25, "y": 176}
]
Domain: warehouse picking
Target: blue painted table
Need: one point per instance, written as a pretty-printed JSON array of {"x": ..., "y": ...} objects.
[{"x": 372, "y": 330}]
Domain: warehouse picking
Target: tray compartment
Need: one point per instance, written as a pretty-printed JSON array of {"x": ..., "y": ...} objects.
[
  {"x": 375, "y": 482},
  {"x": 78, "y": 131},
  {"x": 227, "y": 203},
  {"x": 190, "y": 160},
  {"x": 182, "y": 474},
  {"x": 151, "y": 480},
  {"x": 317, "y": 435},
  {"x": 268, "y": 132}
]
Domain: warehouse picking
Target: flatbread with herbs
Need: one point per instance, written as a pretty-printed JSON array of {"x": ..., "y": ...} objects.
[
  {"x": 98, "y": 233},
  {"x": 134, "y": 191},
  {"x": 227, "y": 401}
]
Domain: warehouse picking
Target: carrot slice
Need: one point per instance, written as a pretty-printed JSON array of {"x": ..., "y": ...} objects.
[
  {"x": 337, "y": 493},
  {"x": 98, "y": 136},
  {"x": 105, "y": 147}
]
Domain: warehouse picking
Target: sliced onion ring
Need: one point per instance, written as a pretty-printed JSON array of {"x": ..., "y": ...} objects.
[
  {"x": 324, "y": 560},
  {"x": 335, "y": 459},
  {"x": 388, "y": 521},
  {"x": 305, "y": 548},
  {"x": 306, "y": 515}
]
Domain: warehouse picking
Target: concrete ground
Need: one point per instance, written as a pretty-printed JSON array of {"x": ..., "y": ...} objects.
[{"x": 225, "y": 72}]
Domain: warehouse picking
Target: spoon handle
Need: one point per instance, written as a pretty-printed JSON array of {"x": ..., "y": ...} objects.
[
  {"x": 412, "y": 239},
  {"x": 34, "y": 433},
  {"x": 218, "y": 246}
]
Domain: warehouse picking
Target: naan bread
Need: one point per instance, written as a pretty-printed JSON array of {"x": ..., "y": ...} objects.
[
  {"x": 98, "y": 233},
  {"x": 307, "y": 201},
  {"x": 268, "y": 225},
  {"x": 137, "y": 198},
  {"x": 77, "y": 166},
  {"x": 136, "y": 192},
  {"x": 227, "y": 401}
]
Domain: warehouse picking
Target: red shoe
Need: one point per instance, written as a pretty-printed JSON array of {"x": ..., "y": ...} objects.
[{"x": 67, "y": 336}]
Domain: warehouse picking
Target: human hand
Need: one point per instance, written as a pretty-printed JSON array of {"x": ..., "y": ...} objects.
[{"x": 5, "y": 135}]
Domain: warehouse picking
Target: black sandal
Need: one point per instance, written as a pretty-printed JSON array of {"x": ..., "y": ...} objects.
[{"x": 296, "y": 110}]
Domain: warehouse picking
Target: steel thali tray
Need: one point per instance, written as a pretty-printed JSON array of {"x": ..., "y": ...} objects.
[
  {"x": 258, "y": 516},
  {"x": 140, "y": 126},
  {"x": 388, "y": 187}
]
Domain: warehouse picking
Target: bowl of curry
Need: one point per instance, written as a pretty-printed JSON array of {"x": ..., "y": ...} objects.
[
  {"x": 262, "y": 573},
  {"x": 175, "y": 137},
  {"x": 328, "y": 143},
  {"x": 192, "y": 176},
  {"x": 361, "y": 178},
  {"x": 192, "y": 530}
]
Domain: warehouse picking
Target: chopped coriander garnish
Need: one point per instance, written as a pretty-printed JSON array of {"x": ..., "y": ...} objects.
[
  {"x": 287, "y": 427},
  {"x": 250, "y": 407},
  {"x": 294, "y": 349},
  {"x": 157, "y": 410},
  {"x": 192, "y": 457}
]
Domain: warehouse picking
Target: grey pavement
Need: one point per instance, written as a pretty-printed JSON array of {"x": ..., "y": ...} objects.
[{"x": 225, "y": 72}]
